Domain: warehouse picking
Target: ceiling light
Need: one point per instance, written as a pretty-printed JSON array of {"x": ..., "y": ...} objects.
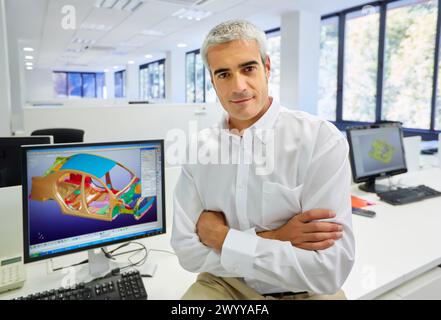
[
  {"x": 182, "y": 45},
  {"x": 148, "y": 56},
  {"x": 95, "y": 27},
  {"x": 28, "y": 49},
  {"x": 29, "y": 57},
  {"x": 191, "y": 14},
  {"x": 29, "y": 64},
  {"x": 153, "y": 33},
  {"x": 106, "y": 70},
  {"x": 115, "y": 67},
  {"x": 130, "y": 62},
  {"x": 29, "y": 68}
]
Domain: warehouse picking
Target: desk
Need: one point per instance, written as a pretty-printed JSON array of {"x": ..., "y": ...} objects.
[
  {"x": 400, "y": 243},
  {"x": 169, "y": 282}
]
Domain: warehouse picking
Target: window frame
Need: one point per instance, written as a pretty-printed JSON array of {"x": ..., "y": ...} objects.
[
  {"x": 195, "y": 53},
  {"x": 123, "y": 74},
  {"x": 146, "y": 66},
  {"x": 68, "y": 96},
  {"x": 427, "y": 134}
]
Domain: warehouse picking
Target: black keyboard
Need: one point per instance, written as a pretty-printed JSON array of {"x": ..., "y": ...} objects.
[
  {"x": 408, "y": 195},
  {"x": 125, "y": 286}
]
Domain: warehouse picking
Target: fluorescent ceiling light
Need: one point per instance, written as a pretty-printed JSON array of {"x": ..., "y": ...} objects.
[
  {"x": 106, "y": 70},
  {"x": 28, "y": 49},
  {"x": 130, "y": 62},
  {"x": 95, "y": 27},
  {"x": 182, "y": 45},
  {"x": 148, "y": 56},
  {"x": 153, "y": 33},
  {"x": 115, "y": 67},
  {"x": 191, "y": 14},
  {"x": 29, "y": 64},
  {"x": 29, "y": 68},
  {"x": 29, "y": 57}
]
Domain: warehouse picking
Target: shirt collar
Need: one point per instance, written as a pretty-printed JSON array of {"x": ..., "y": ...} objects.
[
  {"x": 265, "y": 122},
  {"x": 260, "y": 127}
]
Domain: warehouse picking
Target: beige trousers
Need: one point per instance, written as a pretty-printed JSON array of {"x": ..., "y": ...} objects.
[{"x": 210, "y": 287}]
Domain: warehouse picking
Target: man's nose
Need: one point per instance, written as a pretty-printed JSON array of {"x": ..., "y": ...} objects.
[{"x": 239, "y": 84}]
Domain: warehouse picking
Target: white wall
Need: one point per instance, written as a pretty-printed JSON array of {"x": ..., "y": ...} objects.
[
  {"x": 132, "y": 84},
  {"x": 5, "y": 102},
  {"x": 299, "y": 60},
  {"x": 39, "y": 85},
  {"x": 175, "y": 76},
  {"x": 123, "y": 122}
]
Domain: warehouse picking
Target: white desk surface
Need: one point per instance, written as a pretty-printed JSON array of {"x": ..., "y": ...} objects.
[{"x": 400, "y": 243}]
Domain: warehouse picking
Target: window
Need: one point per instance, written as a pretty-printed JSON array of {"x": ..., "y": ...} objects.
[
  {"x": 152, "y": 80},
  {"x": 360, "y": 65},
  {"x": 198, "y": 82},
  {"x": 328, "y": 69},
  {"x": 409, "y": 62},
  {"x": 377, "y": 62},
  {"x": 78, "y": 84},
  {"x": 274, "y": 54},
  {"x": 120, "y": 84}
]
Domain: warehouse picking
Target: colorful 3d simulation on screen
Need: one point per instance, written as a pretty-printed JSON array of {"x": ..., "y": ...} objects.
[{"x": 82, "y": 186}]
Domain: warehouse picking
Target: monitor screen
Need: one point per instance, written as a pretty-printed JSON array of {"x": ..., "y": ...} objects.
[
  {"x": 376, "y": 150},
  {"x": 10, "y": 157},
  {"x": 83, "y": 196}
]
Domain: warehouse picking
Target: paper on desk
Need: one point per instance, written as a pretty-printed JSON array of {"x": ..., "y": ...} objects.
[{"x": 360, "y": 203}]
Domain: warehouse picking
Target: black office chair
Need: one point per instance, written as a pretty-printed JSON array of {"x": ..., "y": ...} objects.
[{"x": 61, "y": 135}]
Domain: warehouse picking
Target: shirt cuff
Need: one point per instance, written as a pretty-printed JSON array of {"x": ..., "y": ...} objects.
[{"x": 238, "y": 251}]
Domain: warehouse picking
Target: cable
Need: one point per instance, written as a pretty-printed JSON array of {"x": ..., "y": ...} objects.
[{"x": 111, "y": 256}]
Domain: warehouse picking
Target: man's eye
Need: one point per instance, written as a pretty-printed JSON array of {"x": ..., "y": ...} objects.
[
  {"x": 222, "y": 75},
  {"x": 249, "y": 68}
]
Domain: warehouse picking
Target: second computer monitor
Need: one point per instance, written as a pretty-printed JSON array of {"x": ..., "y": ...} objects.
[
  {"x": 376, "y": 151},
  {"x": 82, "y": 196},
  {"x": 10, "y": 157}
]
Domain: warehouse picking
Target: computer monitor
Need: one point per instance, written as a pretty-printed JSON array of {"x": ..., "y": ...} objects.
[
  {"x": 83, "y": 196},
  {"x": 376, "y": 151},
  {"x": 10, "y": 157}
]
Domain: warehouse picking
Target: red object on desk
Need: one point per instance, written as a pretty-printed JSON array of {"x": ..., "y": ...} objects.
[{"x": 359, "y": 202}]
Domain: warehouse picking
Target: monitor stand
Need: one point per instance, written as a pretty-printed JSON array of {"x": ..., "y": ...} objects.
[
  {"x": 371, "y": 186},
  {"x": 99, "y": 264}
]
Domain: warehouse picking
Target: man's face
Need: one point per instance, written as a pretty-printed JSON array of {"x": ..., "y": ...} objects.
[{"x": 240, "y": 79}]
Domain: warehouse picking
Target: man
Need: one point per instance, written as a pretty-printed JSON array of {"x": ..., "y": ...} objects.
[{"x": 281, "y": 233}]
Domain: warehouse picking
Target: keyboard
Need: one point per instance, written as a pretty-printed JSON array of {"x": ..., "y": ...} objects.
[
  {"x": 125, "y": 286},
  {"x": 408, "y": 195}
]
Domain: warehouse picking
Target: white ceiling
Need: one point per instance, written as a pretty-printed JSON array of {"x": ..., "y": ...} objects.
[{"x": 38, "y": 23}]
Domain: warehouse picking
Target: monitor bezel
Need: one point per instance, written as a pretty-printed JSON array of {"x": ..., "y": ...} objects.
[
  {"x": 358, "y": 179},
  {"x": 26, "y": 257}
]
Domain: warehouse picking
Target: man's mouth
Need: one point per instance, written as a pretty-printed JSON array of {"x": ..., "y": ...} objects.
[{"x": 242, "y": 100}]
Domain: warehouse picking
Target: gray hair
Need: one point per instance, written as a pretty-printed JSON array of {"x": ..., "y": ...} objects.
[{"x": 234, "y": 30}]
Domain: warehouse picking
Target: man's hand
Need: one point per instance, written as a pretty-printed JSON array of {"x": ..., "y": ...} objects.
[
  {"x": 212, "y": 229},
  {"x": 305, "y": 233}
]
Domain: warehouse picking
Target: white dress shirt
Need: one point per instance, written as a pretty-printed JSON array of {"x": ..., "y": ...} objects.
[{"x": 310, "y": 171}]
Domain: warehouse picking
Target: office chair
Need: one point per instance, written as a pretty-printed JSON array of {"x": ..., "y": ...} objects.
[{"x": 61, "y": 135}]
